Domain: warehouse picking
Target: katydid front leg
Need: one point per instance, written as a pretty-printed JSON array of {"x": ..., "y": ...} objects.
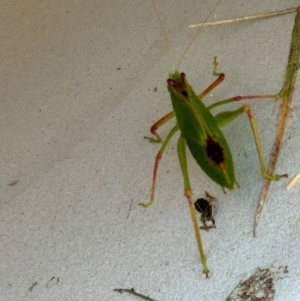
[
  {"x": 221, "y": 77},
  {"x": 157, "y": 125}
]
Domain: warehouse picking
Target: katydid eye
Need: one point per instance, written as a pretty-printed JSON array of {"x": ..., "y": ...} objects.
[
  {"x": 184, "y": 93},
  {"x": 170, "y": 82}
]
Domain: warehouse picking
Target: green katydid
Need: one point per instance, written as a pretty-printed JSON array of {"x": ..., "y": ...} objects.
[{"x": 200, "y": 131}]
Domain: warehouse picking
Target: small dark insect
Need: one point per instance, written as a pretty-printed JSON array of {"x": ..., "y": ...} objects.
[{"x": 206, "y": 208}]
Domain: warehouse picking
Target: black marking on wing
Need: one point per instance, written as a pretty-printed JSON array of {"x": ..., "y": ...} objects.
[{"x": 214, "y": 151}]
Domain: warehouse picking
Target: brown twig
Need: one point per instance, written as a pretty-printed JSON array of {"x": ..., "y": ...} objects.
[
  {"x": 247, "y": 18},
  {"x": 287, "y": 92}
]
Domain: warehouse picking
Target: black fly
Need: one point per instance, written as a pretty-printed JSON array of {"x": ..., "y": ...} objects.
[{"x": 206, "y": 208}]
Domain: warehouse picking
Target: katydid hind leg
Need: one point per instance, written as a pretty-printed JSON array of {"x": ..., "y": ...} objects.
[
  {"x": 224, "y": 118},
  {"x": 181, "y": 148},
  {"x": 259, "y": 147},
  {"x": 157, "y": 160},
  {"x": 157, "y": 125}
]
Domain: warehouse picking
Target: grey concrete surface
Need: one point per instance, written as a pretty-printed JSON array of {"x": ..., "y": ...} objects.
[{"x": 78, "y": 82}]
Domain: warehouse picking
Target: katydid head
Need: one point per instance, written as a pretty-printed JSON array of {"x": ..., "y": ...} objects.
[{"x": 178, "y": 83}]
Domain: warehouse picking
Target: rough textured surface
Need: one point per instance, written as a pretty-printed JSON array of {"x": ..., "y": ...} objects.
[{"x": 81, "y": 83}]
